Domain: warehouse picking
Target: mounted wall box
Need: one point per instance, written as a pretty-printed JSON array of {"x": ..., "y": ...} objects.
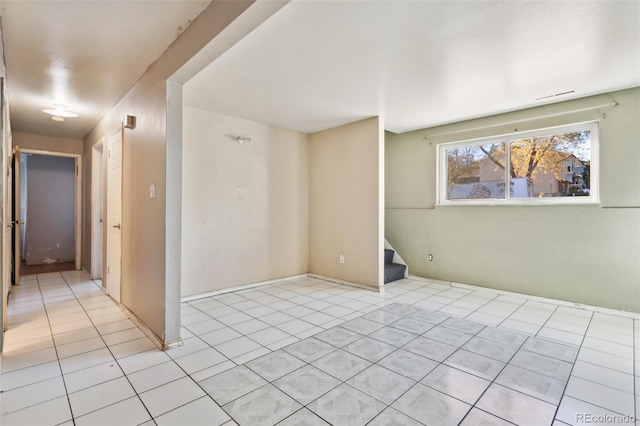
[{"x": 129, "y": 121}]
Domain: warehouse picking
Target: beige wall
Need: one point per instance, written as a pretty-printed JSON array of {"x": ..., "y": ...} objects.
[
  {"x": 245, "y": 207},
  {"x": 345, "y": 195},
  {"x": 145, "y": 291},
  {"x": 587, "y": 254},
  {"x": 47, "y": 143}
]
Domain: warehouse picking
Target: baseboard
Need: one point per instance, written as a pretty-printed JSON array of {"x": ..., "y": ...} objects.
[
  {"x": 146, "y": 330},
  {"x": 239, "y": 287},
  {"x": 348, "y": 283},
  {"x": 541, "y": 299}
]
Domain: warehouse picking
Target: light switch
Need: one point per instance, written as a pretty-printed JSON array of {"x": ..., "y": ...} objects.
[{"x": 152, "y": 190}]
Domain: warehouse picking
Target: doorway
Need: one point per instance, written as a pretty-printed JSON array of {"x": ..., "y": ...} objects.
[
  {"x": 98, "y": 167},
  {"x": 48, "y": 191}
]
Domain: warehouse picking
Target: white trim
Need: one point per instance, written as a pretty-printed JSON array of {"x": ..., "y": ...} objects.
[
  {"x": 441, "y": 168},
  {"x": 146, "y": 330},
  {"x": 348, "y": 283},
  {"x": 239, "y": 287},
  {"x": 523, "y": 296}
]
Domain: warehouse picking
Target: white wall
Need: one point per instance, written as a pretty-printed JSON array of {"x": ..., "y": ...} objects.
[
  {"x": 346, "y": 203},
  {"x": 245, "y": 207},
  {"x": 50, "y": 209},
  {"x": 587, "y": 254}
]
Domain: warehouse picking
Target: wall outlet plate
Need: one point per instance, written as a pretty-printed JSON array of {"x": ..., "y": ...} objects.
[{"x": 341, "y": 259}]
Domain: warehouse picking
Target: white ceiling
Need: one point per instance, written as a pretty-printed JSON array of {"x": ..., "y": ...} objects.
[
  {"x": 85, "y": 53},
  {"x": 318, "y": 64}
]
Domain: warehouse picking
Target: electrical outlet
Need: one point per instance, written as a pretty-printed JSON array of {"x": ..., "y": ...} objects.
[
  {"x": 430, "y": 257},
  {"x": 341, "y": 259}
]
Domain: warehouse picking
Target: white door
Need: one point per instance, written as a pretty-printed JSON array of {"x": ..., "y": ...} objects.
[{"x": 114, "y": 215}]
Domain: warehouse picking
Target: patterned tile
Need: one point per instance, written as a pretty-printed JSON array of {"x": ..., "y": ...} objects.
[
  {"x": 555, "y": 350},
  {"x": 516, "y": 407},
  {"x": 341, "y": 365},
  {"x": 303, "y": 417},
  {"x": 431, "y": 407},
  {"x": 275, "y": 365},
  {"x": 458, "y": 384},
  {"x": 227, "y": 386},
  {"x": 551, "y": 367},
  {"x": 448, "y": 336},
  {"x": 338, "y": 336},
  {"x": 412, "y": 325},
  {"x": 362, "y": 326},
  {"x": 479, "y": 365},
  {"x": 369, "y": 349},
  {"x": 408, "y": 364},
  {"x": 430, "y": 348},
  {"x": 391, "y": 417},
  {"x": 534, "y": 384},
  {"x": 346, "y": 406},
  {"x": 264, "y": 406},
  {"x": 428, "y": 316},
  {"x": 309, "y": 349},
  {"x": 383, "y": 317},
  {"x": 462, "y": 325},
  {"x": 503, "y": 336},
  {"x": 306, "y": 384},
  {"x": 393, "y": 336},
  {"x": 398, "y": 308},
  {"x": 491, "y": 349},
  {"x": 380, "y": 383}
]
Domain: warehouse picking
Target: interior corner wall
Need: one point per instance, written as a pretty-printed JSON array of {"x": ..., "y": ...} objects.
[
  {"x": 47, "y": 143},
  {"x": 143, "y": 287},
  {"x": 579, "y": 253},
  {"x": 245, "y": 207},
  {"x": 344, "y": 208}
]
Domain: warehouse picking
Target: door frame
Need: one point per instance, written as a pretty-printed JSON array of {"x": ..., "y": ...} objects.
[
  {"x": 105, "y": 221},
  {"x": 98, "y": 185},
  {"x": 78, "y": 195}
]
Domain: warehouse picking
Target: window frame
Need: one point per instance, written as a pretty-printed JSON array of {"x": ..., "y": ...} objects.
[{"x": 592, "y": 198}]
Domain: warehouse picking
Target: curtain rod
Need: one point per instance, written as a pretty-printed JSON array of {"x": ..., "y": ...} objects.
[{"x": 609, "y": 105}]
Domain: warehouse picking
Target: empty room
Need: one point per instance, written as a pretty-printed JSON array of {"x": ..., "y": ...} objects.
[{"x": 326, "y": 213}]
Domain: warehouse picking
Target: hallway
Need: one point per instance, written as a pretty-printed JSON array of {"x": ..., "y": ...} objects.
[{"x": 402, "y": 357}]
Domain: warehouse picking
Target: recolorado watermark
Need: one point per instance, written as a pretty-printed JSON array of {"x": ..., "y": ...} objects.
[{"x": 604, "y": 418}]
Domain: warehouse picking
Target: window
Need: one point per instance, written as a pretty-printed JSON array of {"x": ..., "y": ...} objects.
[{"x": 547, "y": 166}]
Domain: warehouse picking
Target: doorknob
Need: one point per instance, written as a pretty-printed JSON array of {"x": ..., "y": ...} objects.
[{"x": 117, "y": 226}]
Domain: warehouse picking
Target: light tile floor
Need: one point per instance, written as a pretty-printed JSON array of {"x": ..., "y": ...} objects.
[{"x": 311, "y": 352}]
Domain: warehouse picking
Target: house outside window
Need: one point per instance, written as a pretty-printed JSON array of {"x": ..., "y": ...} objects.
[{"x": 546, "y": 166}]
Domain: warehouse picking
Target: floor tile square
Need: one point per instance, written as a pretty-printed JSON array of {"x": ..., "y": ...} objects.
[
  {"x": 232, "y": 384},
  {"x": 383, "y": 317},
  {"x": 341, "y": 364},
  {"x": 393, "y": 336},
  {"x": 266, "y": 405},
  {"x": 309, "y": 349},
  {"x": 380, "y": 383},
  {"x": 408, "y": 364},
  {"x": 275, "y": 365},
  {"x": 531, "y": 383},
  {"x": 362, "y": 326},
  {"x": 268, "y": 335},
  {"x": 30, "y": 395},
  {"x": 171, "y": 395},
  {"x": 431, "y": 349},
  {"x": 479, "y": 365},
  {"x": 219, "y": 336},
  {"x": 99, "y": 396},
  {"x": 155, "y": 376},
  {"x": 434, "y": 318},
  {"x": 548, "y": 366},
  {"x": 490, "y": 348},
  {"x": 370, "y": 349},
  {"x": 431, "y": 407},
  {"x": 456, "y": 383},
  {"x": 54, "y": 411},
  {"x": 462, "y": 325},
  {"x": 338, "y": 336},
  {"x": 448, "y": 336},
  {"x": 412, "y": 325},
  {"x": 235, "y": 348},
  {"x": 127, "y": 412},
  {"x": 194, "y": 413},
  {"x": 345, "y": 405},
  {"x": 30, "y": 375},
  {"x": 600, "y": 395},
  {"x": 477, "y": 417},
  {"x": 551, "y": 349},
  {"x": 392, "y": 417},
  {"x": 303, "y": 417},
  {"x": 516, "y": 407},
  {"x": 306, "y": 384},
  {"x": 92, "y": 376}
]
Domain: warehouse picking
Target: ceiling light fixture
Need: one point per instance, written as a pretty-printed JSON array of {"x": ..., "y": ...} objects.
[
  {"x": 60, "y": 111},
  {"x": 57, "y": 118}
]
